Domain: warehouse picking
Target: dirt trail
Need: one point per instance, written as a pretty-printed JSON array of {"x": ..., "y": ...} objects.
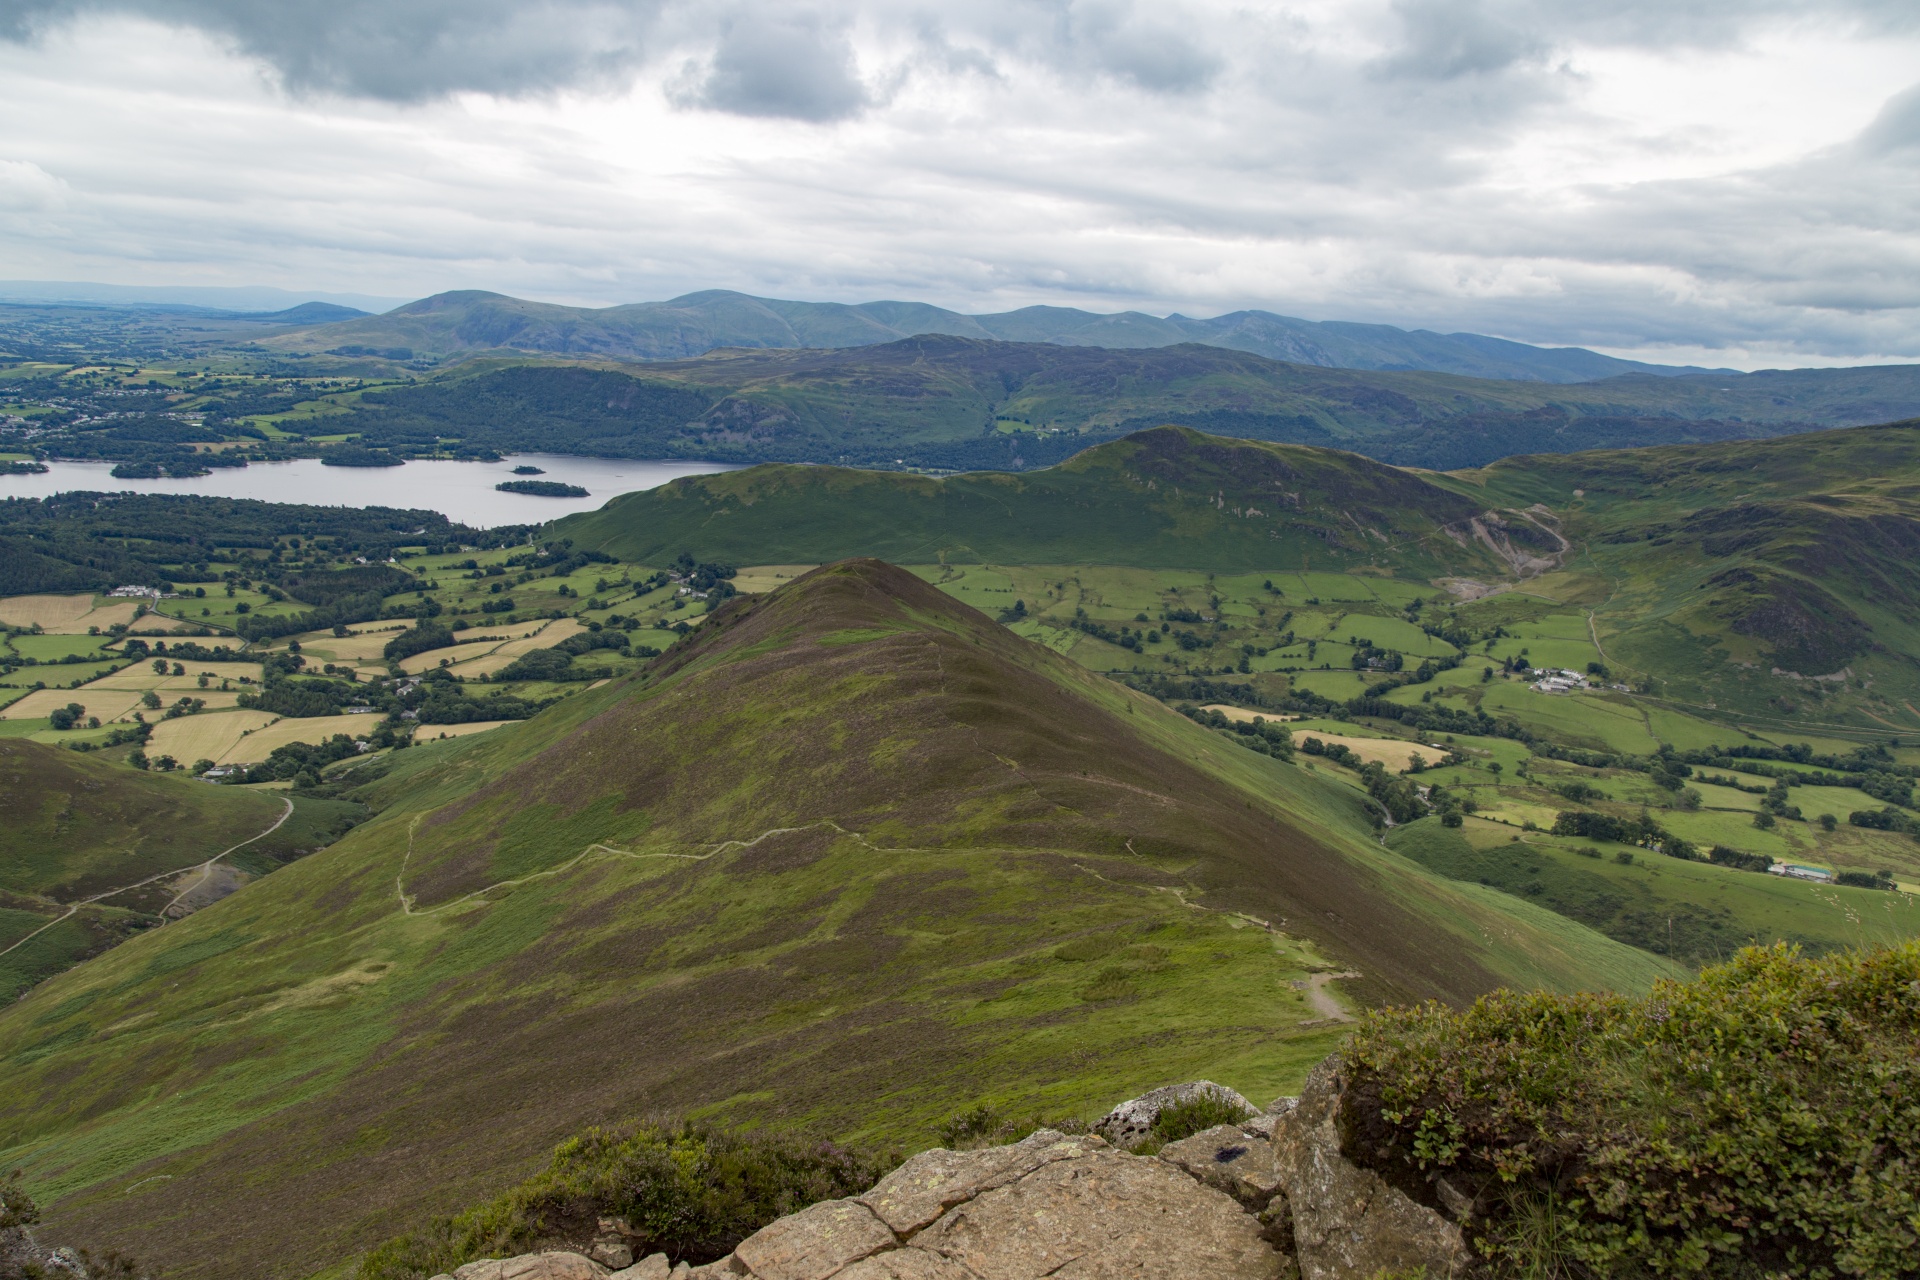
[
  {"x": 605, "y": 850},
  {"x": 203, "y": 867},
  {"x": 1322, "y": 1000}
]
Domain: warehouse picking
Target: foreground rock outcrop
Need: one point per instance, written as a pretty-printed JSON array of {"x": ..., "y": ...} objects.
[
  {"x": 1271, "y": 1198},
  {"x": 1348, "y": 1222}
]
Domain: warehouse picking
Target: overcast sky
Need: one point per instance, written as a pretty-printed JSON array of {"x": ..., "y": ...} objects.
[{"x": 1729, "y": 181}]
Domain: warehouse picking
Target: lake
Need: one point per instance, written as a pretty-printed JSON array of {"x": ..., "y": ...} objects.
[{"x": 461, "y": 491}]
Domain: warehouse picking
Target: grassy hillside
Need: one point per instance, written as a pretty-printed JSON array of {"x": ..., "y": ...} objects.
[
  {"x": 74, "y": 829},
  {"x": 1167, "y": 498},
  {"x": 851, "y": 858},
  {"x": 1736, "y": 574},
  {"x": 459, "y": 323}
]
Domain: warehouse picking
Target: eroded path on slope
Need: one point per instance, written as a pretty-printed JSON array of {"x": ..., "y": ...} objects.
[{"x": 204, "y": 868}]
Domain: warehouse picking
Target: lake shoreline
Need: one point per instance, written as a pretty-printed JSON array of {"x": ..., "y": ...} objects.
[{"x": 463, "y": 490}]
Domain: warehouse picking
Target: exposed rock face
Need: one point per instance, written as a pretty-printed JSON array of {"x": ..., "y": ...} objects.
[
  {"x": 533, "y": 1266},
  {"x": 1271, "y": 1198},
  {"x": 1051, "y": 1205},
  {"x": 1133, "y": 1119},
  {"x": 1106, "y": 1214},
  {"x": 815, "y": 1243},
  {"x": 1230, "y": 1158},
  {"x": 1347, "y": 1223},
  {"x": 919, "y": 1191}
]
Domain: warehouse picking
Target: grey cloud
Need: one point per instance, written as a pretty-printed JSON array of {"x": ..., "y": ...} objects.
[
  {"x": 1898, "y": 125},
  {"x": 1151, "y": 53},
  {"x": 1065, "y": 152},
  {"x": 1447, "y": 39},
  {"x": 783, "y": 65},
  {"x": 400, "y": 50}
]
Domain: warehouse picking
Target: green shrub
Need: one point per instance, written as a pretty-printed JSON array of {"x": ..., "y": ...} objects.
[
  {"x": 17, "y": 1208},
  {"x": 1761, "y": 1120},
  {"x": 981, "y": 1126},
  {"x": 689, "y": 1190},
  {"x": 1197, "y": 1115}
]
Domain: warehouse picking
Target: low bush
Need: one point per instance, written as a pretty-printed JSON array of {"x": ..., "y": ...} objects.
[
  {"x": 1197, "y": 1115},
  {"x": 1762, "y": 1120},
  {"x": 689, "y": 1190}
]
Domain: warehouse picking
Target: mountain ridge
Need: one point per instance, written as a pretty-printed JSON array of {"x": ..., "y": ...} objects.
[
  {"x": 947, "y": 403},
  {"x": 467, "y": 322}
]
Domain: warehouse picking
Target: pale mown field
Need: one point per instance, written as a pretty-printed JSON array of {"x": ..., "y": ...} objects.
[
  {"x": 72, "y": 615},
  {"x": 211, "y": 735},
  {"x": 1392, "y": 752},
  {"x": 435, "y": 732},
  {"x": 256, "y": 746},
  {"x": 760, "y": 578}
]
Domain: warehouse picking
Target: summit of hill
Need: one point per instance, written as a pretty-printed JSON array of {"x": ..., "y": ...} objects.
[{"x": 848, "y": 858}]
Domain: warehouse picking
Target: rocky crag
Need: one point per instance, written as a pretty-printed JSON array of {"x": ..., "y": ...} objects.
[{"x": 1268, "y": 1198}]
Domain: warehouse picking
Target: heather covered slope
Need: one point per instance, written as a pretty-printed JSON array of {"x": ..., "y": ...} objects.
[
  {"x": 852, "y": 859},
  {"x": 1170, "y": 497}
]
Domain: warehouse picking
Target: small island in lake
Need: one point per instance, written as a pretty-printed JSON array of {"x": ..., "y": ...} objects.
[
  {"x": 356, "y": 455},
  {"x": 528, "y": 471},
  {"x": 542, "y": 488}
]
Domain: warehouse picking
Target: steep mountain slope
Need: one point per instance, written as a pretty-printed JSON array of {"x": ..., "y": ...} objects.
[
  {"x": 962, "y": 403},
  {"x": 1166, "y": 498},
  {"x": 469, "y": 321},
  {"x": 73, "y": 830},
  {"x": 852, "y": 857}
]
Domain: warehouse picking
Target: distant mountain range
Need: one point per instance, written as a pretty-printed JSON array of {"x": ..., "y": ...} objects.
[
  {"x": 246, "y": 299},
  {"x": 454, "y": 325},
  {"x": 961, "y": 404}
]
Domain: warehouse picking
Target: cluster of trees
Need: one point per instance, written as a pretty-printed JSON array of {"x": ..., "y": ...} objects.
[
  {"x": 1642, "y": 831},
  {"x": 1268, "y": 737},
  {"x": 97, "y": 541}
]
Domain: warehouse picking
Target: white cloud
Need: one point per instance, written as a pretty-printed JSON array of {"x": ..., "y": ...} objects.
[{"x": 1693, "y": 175}]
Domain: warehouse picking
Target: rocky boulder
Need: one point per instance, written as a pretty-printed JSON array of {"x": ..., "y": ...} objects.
[
  {"x": 1348, "y": 1224},
  {"x": 1270, "y": 1198},
  {"x": 555, "y": 1265},
  {"x": 1132, "y": 1121},
  {"x": 1051, "y": 1205}
]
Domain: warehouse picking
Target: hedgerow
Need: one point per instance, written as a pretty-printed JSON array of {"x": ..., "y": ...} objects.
[
  {"x": 1761, "y": 1120},
  {"x": 691, "y": 1191}
]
